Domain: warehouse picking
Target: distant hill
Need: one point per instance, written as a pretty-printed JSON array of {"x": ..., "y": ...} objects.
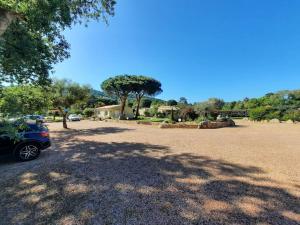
[{"x": 98, "y": 93}]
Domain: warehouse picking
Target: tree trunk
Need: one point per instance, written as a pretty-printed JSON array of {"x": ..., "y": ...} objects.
[
  {"x": 137, "y": 112},
  {"x": 123, "y": 104},
  {"x": 6, "y": 18},
  {"x": 172, "y": 114},
  {"x": 65, "y": 121}
]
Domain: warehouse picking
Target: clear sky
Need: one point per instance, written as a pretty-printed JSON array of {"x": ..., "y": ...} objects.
[{"x": 198, "y": 49}]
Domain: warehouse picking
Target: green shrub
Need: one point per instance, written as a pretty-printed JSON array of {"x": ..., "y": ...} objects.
[
  {"x": 159, "y": 120},
  {"x": 154, "y": 119},
  {"x": 88, "y": 112},
  {"x": 75, "y": 111},
  {"x": 146, "y": 103},
  {"x": 147, "y": 113},
  {"x": 273, "y": 115},
  {"x": 153, "y": 111},
  {"x": 259, "y": 113},
  {"x": 160, "y": 115},
  {"x": 292, "y": 115},
  {"x": 188, "y": 114},
  {"x": 204, "y": 118}
]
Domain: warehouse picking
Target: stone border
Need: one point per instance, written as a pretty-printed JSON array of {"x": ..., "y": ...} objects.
[{"x": 178, "y": 125}]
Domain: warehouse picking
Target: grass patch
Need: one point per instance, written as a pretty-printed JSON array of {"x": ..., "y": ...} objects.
[{"x": 153, "y": 119}]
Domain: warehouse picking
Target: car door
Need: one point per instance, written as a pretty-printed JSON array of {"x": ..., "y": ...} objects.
[{"x": 6, "y": 144}]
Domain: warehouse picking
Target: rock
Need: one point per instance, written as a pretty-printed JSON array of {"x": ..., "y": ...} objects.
[
  {"x": 231, "y": 123},
  {"x": 221, "y": 118},
  {"x": 246, "y": 118},
  {"x": 204, "y": 124},
  {"x": 290, "y": 121},
  {"x": 274, "y": 121},
  {"x": 217, "y": 124}
]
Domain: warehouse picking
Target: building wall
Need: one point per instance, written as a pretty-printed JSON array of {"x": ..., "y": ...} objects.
[{"x": 113, "y": 113}]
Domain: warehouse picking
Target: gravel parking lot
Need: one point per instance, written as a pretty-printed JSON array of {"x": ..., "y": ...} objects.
[{"x": 114, "y": 173}]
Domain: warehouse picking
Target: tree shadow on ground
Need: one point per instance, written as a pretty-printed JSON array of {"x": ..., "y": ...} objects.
[
  {"x": 87, "y": 182},
  {"x": 89, "y": 132},
  {"x": 65, "y": 135}
]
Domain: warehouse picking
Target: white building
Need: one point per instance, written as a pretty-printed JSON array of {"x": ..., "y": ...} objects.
[{"x": 113, "y": 112}]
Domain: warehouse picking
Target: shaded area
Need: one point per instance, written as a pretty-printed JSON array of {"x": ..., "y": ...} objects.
[
  {"x": 88, "y": 182},
  {"x": 65, "y": 135},
  {"x": 89, "y": 132}
]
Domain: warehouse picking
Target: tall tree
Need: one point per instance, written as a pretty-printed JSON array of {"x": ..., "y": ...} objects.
[
  {"x": 144, "y": 86},
  {"x": 183, "y": 101},
  {"x": 31, "y": 38},
  {"x": 23, "y": 99},
  {"x": 120, "y": 87},
  {"x": 210, "y": 104},
  {"x": 65, "y": 94}
]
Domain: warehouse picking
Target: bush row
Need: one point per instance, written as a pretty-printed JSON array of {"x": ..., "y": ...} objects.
[{"x": 268, "y": 113}]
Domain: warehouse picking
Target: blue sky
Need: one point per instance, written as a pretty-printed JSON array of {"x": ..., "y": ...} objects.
[{"x": 198, "y": 49}]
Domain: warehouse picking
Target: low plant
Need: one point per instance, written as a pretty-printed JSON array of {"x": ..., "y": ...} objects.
[
  {"x": 274, "y": 114},
  {"x": 259, "y": 113},
  {"x": 88, "y": 112},
  {"x": 204, "y": 118},
  {"x": 188, "y": 114},
  {"x": 292, "y": 115}
]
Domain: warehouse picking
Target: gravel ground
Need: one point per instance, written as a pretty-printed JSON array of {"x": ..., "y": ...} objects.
[{"x": 111, "y": 173}]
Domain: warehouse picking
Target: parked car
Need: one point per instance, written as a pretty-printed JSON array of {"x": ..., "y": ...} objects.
[
  {"x": 74, "y": 117},
  {"x": 34, "y": 137},
  {"x": 37, "y": 118}
]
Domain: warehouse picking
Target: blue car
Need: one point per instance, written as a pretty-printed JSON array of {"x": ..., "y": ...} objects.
[{"x": 34, "y": 138}]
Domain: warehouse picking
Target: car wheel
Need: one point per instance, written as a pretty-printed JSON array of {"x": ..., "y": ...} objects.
[{"x": 27, "y": 152}]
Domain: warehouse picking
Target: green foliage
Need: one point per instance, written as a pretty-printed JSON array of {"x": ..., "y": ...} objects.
[
  {"x": 75, "y": 110},
  {"x": 259, "y": 113},
  {"x": 88, "y": 112},
  {"x": 210, "y": 104},
  {"x": 204, "y": 118},
  {"x": 144, "y": 86},
  {"x": 229, "y": 105},
  {"x": 102, "y": 101},
  {"x": 280, "y": 105},
  {"x": 293, "y": 115},
  {"x": 66, "y": 94},
  {"x": 273, "y": 114},
  {"x": 123, "y": 85},
  {"x": 130, "y": 104},
  {"x": 33, "y": 42},
  {"x": 13, "y": 130},
  {"x": 183, "y": 101},
  {"x": 188, "y": 114},
  {"x": 172, "y": 102},
  {"x": 24, "y": 99},
  {"x": 120, "y": 87},
  {"x": 146, "y": 103},
  {"x": 154, "y": 119},
  {"x": 153, "y": 111}
]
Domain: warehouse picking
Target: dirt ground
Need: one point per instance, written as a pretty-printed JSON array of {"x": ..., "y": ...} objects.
[{"x": 111, "y": 173}]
